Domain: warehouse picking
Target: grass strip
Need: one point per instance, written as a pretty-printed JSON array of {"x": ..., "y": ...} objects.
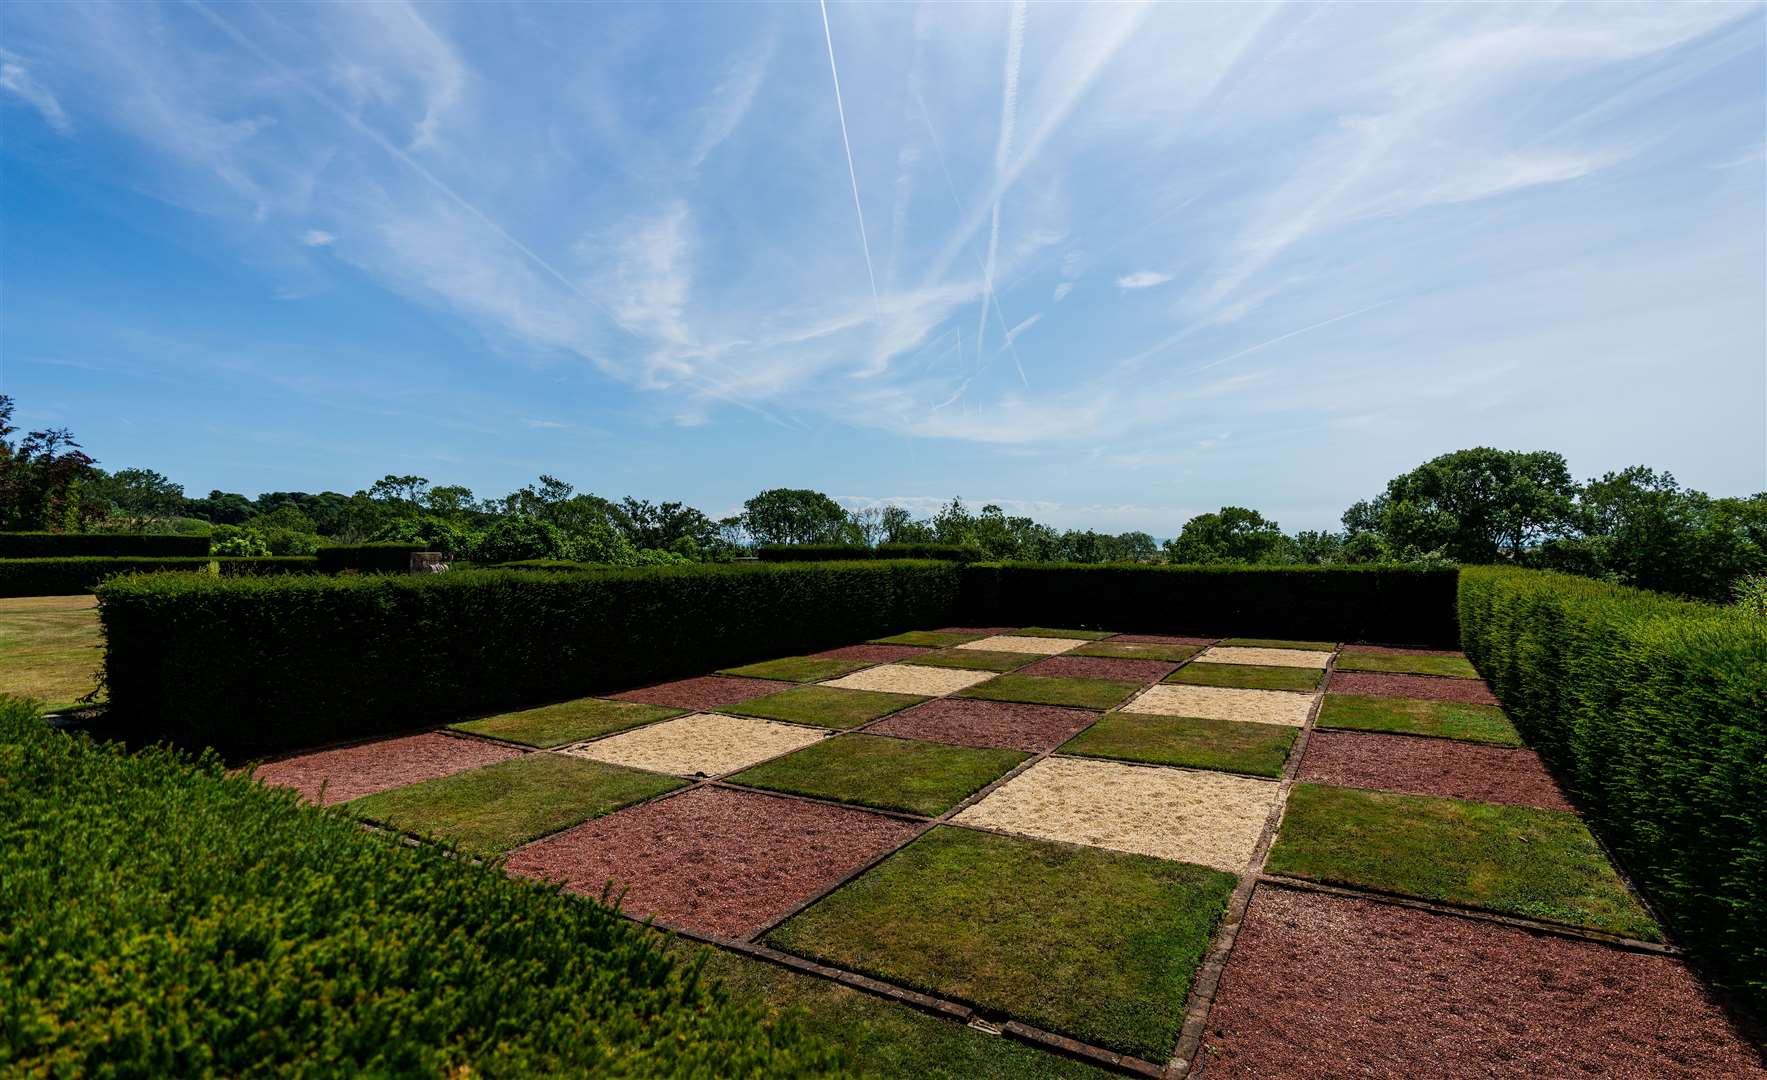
[
  {"x": 1541, "y": 864},
  {"x": 975, "y": 659},
  {"x": 492, "y": 809},
  {"x": 1226, "y": 745},
  {"x": 824, "y": 706},
  {"x": 1406, "y": 716},
  {"x": 1099, "y": 945},
  {"x": 1277, "y": 643},
  {"x": 1054, "y": 690},
  {"x": 1072, "y": 635},
  {"x": 798, "y": 669},
  {"x": 1456, "y": 667},
  {"x": 1137, "y": 650},
  {"x": 1249, "y": 676},
  {"x": 884, "y": 773},
  {"x": 567, "y": 722},
  {"x": 928, "y": 639}
]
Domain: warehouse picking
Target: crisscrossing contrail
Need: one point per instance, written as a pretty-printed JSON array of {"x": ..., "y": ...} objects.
[{"x": 852, "y": 174}]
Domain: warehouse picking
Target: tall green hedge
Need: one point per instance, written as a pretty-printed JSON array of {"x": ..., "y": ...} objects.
[
  {"x": 65, "y": 577},
  {"x": 1384, "y": 604},
  {"x": 165, "y": 919},
  {"x": 380, "y": 558},
  {"x": 257, "y": 664},
  {"x": 48, "y": 545},
  {"x": 827, "y": 552},
  {"x": 1654, "y": 711}
]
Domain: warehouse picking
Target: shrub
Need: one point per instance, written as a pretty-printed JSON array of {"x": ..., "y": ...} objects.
[
  {"x": 254, "y": 664},
  {"x": 165, "y": 919},
  {"x": 1388, "y": 604},
  {"x": 236, "y": 540},
  {"x": 382, "y": 558},
  {"x": 1651, "y": 710},
  {"x": 266, "y": 564},
  {"x": 954, "y": 552},
  {"x": 67, "y": 576},
  {"x": 48, "y": 545},
  {"x": 825, "y": 552}
]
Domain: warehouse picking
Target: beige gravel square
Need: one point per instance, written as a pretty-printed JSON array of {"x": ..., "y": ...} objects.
[
  {"x": 912, "y": 679},
  {"x": 1239, "y": 654},
  {"x": 1223, "y": 703},
  {"x": 1197, "y": 817},
  {"x": 701, "y": 744},
  {"x": 1042, "y": 646}
]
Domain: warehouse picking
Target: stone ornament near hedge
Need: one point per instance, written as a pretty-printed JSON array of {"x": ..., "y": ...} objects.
[{"x": 428, "y": 562}]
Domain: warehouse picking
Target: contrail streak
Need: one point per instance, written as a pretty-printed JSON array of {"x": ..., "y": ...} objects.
[
  {"x": 852, "y": 174},
  {"x": 1015, "y": 51},
  {"x": 1290, "y": 334}
]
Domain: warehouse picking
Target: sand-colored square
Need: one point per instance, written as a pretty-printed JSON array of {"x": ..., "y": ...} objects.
[
  {"x": 1222, "y": 703},
  {"x": 908, "y": 678},
  {"x": 1237, "y": 654},
  {"x": 1207, "y": 818},
  {"x": 1042, "y": 646},
  {"x": 703, "y": 744}
]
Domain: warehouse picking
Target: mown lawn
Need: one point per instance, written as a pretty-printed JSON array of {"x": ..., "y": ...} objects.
[
  {"x": 50, "y": 648},
  {"x": 1406, "y": 716}
]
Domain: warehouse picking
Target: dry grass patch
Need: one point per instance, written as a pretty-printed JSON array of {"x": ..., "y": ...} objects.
[
  {"x": 1232, "y": 654},
  {"x": 912, "y": 679},
  {"x": 1042, "y": 646},
  {"x": 704, "y": 744},
  {"x": 1222, "y": 703}
]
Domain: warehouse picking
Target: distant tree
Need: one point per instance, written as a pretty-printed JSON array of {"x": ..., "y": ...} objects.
[
  {"x": 867, "y": 525},
  {"x": 670, "y": 526},
  {"x": 1478, "y": 505},
  {"x": 1234, "y": 534},
  {"x": 41, "y": 477},
  {"x": 1316, "y": 548},
  {"x": 900, "y": 527},
  {"x": 520, "y": 536},
  {"x": 399, "y": 489},
  {"x": 221, "y": 508},
  {"x": 793, "y": 516},
  {"x": 135, "y": 493}
]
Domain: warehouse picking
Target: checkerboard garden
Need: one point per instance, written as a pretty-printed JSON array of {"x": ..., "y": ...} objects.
[{"x": 1125, "y": 852}]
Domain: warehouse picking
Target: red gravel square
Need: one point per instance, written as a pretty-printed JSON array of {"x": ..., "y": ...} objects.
[
  {"x": 350, "y": 772},
  {"x": 1163, "y": 639},
  {"x": 705, "y": 692},
  {"x": 713, "y": 860},
  {"x": 1419, "y": 766},
  {"x": 880, "y": 654},
  {"x": 1393, "y": 650},
  {"x": 970, "y": 722},
  {"x": 1427, "y": 687},
  {"x": 1330, "y": 986},
  {"x": 1101, "y": 667}
]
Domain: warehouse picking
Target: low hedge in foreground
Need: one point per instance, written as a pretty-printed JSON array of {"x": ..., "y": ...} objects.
[
  {"x": 1394, "y": 605},
  {"x": 1654, "y": 711},
  {"x": 380, "y": 558},
  {"x": 48, "y": 545},
  {"x": 257, "y": 664},
  {"x": 64, "y": 577},
  {"x": 826, "y": 552},
  {"x": 164, "y": 919}
]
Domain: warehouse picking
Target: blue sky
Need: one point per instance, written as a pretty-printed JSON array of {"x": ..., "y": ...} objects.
[{"x": 1119, "y": 265}]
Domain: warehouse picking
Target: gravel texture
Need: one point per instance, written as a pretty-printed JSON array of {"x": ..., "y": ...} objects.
[
  {"x": 1422, "y": 687},
  {"x": 1164, "y": 639},
  {"x": 877, "y": 654},
  {"x": 1331, "y": 986},
  {"x": 1197, "y": 817},
  {"x": 968, "y": 722},
  {"x": 713, "y": 860},
  {"x": 1100, "y": 667},
  {"x": 1042, "y": 646},
  {"x": 1223, "y": 703},
  {"x": 1424, "y": 766},
  {"x": 1235, "y": 654},
  {"x": 350, "y": 772},
  {"x": 704, "y": 744},
  {"x": 912, "y": 679},
  {"x": 705, "y": 692},
  {"x": 1393, "y": 650}
]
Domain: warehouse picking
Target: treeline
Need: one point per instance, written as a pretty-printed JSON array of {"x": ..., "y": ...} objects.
[{"x": 1634, "y": 527}]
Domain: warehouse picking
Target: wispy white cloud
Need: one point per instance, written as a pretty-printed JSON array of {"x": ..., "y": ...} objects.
[
  {"x": 16, "y": 79},
  {"x": 1143, "y": 279},
  {"x": 317, "y": 238}
]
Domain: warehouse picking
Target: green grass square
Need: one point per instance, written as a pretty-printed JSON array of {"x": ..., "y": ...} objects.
[
  {"x": 1456, "y": 667},
  {"x": 1518, "y": 860},
  {"x": 1225, "y": 745},
  {"x": 883, "y": 1038},
  {"x": 1052, "y": 690},
  {"x": 492, "y": 809},
  {"x": 1098, "y": 945},
  {"x": 1405, "y": 716},
  {"x": 1278, "y": 643},
  {"x": 566, "y": 722},
  {"x": 1249, "y": 676},
  {"x": 798, "y": 669},
  {"x": 1137, "y": 650},
  {"x": 975, "y": 659},
  {"x": 927, "y": 639},
  {"x": 824, "y": 706},
  {"x": 1072, "y": 635},
  {"x": 884, "y": 773}
]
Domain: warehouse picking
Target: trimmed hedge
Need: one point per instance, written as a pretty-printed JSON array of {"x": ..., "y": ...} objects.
[
  {"x": 384, "y": 558},
  {"x": 48, "y": 545},
  {"x": 259, "y": 664},
  {"x": 1393, "y": 605},
  {"x": 65, "y": 577},
  {"x": 553, "y": 564},
  {"x": 260, "y": 565},
  {"x": 1654, "y": 712},
  {"x": 847, "y": 552},
  {"x": 165, "y": 919}
]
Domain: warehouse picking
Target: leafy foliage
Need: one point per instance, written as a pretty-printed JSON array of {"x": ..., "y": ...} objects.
[{"x": 165, "y": 919}]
